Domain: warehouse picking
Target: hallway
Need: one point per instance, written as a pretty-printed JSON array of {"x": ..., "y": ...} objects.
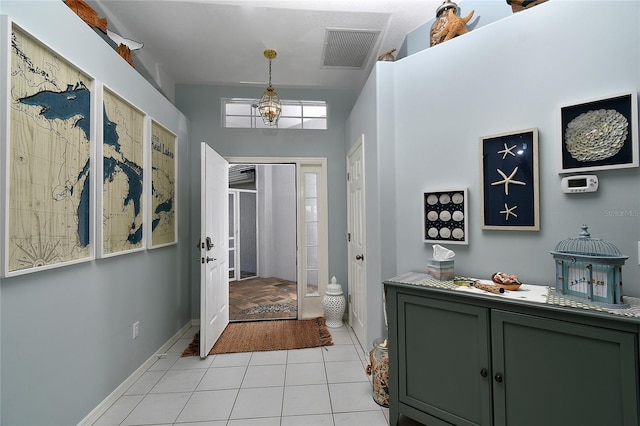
[{"x": 316, "y": 386}]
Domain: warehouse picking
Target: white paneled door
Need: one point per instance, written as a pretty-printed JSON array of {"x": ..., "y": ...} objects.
[
  {"x": 214, "y": 231},
  {"x": 356, "y": 237}
]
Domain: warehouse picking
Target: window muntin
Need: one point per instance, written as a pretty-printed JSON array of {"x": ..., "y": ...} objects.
[{"x": 302, "y": 115}]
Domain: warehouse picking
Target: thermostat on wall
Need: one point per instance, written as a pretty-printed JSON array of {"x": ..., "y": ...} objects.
[{"x": 580, "y": 183}]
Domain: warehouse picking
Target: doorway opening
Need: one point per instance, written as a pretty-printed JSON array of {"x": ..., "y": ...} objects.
[
  {"x": 262, "y": 242},
  {"x": 291, "y": 242}
]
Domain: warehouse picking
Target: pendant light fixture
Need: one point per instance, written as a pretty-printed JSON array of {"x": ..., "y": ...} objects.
[{"x": 269, "y": 105}]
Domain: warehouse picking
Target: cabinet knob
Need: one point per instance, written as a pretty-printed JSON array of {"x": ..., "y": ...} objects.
[
  {"x": 484, "y": 372},
  {"x": 498, "y": 377}
]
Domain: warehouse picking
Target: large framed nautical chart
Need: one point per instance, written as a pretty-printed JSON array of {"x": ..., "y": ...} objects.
[
  {"x": 163, "y": 186},
  {"x": 123, "y": 162},
  {"x": 48, "y": 136}
]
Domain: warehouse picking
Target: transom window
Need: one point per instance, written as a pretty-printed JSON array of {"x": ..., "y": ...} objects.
[{"x": 243, "y": 114}]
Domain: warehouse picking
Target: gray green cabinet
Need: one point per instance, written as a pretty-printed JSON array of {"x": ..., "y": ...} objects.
[{"x": 463, "y": 359}]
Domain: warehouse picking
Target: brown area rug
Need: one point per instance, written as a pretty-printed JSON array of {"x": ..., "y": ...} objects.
[{"x": 267, "y": 336}]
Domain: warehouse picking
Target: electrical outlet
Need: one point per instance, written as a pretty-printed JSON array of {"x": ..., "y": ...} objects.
[{"x": 136, "y": 329}]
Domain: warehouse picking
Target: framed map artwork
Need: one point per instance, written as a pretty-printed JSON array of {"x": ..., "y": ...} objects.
[
  {"x": 509, "y": 181},
  {"x": 163, "y": 186},
  {"x": 47, "y": 128},
  {"x": 122, "y": 202}
]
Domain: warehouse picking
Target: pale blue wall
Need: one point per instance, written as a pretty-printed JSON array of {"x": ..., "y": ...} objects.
[
  {"x": 511, "y": 75},
  {"x": 485, "y": 12},
  {"x": 202, "y": 104},
  {"x": 515, "y": 74},
  {"x": 66, "y": 333},
  {"x": 373, "y": 118}
]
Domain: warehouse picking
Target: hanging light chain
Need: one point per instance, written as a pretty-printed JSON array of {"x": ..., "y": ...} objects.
[{"x": 269, "y": 105}]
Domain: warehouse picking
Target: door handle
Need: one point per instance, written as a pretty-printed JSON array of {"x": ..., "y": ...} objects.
[
  {"x": 359, "y": 256},
  {"x": 498, "y": 377},
  {"x": 209, "y": 243},
  {"x": 210, "y": 259}
]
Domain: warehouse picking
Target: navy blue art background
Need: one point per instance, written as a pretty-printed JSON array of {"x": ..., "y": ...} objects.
[
  {"x": 521, "y": 198},
  {"x": 622, "y": 104}
]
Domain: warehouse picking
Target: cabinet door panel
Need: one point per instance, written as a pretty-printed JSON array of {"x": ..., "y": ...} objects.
[
  {"x": 442, "y": 349},
  {"x": 561, "y": 373}
]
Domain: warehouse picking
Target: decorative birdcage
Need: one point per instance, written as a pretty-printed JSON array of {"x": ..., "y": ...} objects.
[{"x": 589, "y": 269}]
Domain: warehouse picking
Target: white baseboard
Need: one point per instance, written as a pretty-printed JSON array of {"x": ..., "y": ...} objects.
[{"x": 95, "y": 414}]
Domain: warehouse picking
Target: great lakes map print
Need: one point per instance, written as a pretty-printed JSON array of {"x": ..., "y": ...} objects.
[
  {"x": 163, "y": 186},
  {"x": 48, "y": 199},
  {"x": 123, "y": 160}
]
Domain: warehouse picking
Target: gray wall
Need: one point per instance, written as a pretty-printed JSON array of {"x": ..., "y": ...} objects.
[
  {"x": 248, "y": 233},
  {"x": 202, "y": 104},
  {"x": 65, "y": 333},
  {"x": 282, "y": 247}
]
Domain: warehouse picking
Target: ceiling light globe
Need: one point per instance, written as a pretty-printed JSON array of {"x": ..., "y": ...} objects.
[{"x": 270, "y": 107}]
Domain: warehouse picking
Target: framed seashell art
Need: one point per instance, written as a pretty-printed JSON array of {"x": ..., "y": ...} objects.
[
  {"x": 509, "y": 181},
  {"x": 445, "y": 216},
  {"x": 599, "y": 134}
]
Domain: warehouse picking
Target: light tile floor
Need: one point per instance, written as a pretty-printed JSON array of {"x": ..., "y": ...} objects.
[{"x": 315, "y": 387}]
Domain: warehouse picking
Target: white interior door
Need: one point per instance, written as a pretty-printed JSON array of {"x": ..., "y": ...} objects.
[
  {"x": 356, "y": 242},
  {"x": 214, "y": 231}
]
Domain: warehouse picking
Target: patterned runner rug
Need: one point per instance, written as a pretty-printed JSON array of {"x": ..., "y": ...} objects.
[{"x": 267, "y": 336}]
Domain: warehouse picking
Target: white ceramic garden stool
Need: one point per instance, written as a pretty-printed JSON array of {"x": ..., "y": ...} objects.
[{"x": 334, "y": 304}]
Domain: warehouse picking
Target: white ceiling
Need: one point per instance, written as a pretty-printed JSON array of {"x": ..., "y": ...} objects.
[{"x": 221, "y": 42}]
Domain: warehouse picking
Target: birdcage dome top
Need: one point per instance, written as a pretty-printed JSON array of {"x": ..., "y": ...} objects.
[{"x": 584, "y": 245}]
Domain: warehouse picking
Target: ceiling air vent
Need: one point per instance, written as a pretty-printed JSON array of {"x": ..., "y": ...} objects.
[{"x": 348, "y": 48}]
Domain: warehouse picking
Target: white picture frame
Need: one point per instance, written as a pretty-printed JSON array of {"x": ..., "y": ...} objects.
[
  {"x": 445, "y": 216},
  {"x": 163, "y": 186},
  {"x": 587, "y": 141},
  {"x": 122, "y": 165},
  {"x": 509, "y": 181},
  {"x": 48, "y": 201}
]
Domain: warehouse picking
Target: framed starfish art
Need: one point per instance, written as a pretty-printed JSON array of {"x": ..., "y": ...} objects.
[{"x": 509, "y": 181}]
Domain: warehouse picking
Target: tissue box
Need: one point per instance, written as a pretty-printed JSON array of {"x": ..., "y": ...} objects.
[{"x": 440, "y": 269}]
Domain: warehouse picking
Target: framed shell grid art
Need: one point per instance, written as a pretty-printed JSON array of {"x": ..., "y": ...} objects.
[
  {"x": 445, "y": 215},
  {"x": 509, "y": 181},
  {"x": 599, "y": 134}
]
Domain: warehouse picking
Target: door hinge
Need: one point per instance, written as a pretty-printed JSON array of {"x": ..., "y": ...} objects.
[
  {"x": 349, "y": 236},
  {"x": 349, "y": 298},
  {"x": 348, "y": 176}
]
